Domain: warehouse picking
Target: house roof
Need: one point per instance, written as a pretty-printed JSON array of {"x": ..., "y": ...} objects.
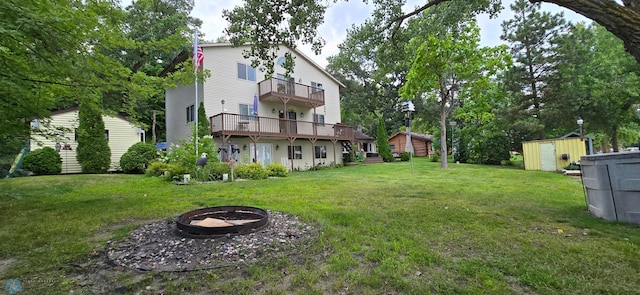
[
  {"x": 361, "y": 136},
  {"x": 184, "y": 55},
  {"x": 425, "y": 137},
  {"x": 574, "y": 134},
  {"x": 73, "y": 109}
]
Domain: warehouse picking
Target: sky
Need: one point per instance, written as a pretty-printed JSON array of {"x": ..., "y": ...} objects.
[{"x": 342, "y": 15}]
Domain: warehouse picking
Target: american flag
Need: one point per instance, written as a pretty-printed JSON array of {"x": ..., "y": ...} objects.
[{"x": 198, "y": 55}]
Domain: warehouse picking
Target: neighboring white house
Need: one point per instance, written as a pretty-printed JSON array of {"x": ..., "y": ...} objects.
[
  {"x": 120, "y": 133},
  {"x": 294, "y": 121}
]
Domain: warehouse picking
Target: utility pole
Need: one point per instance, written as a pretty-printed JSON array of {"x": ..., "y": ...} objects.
[{"x": 407, "y": 108}]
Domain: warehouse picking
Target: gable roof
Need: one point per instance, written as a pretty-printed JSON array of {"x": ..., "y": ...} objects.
[
  {"x": 425, "y": 137},
  {"x": 361, "y": 136},
  {"x": 73, "y": 109}
]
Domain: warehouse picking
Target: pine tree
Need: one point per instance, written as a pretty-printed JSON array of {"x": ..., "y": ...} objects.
[
  {"x": 383, "y": 142},
  {"x": 93, "y": 154},
  {"x": 203, "y": 122}
]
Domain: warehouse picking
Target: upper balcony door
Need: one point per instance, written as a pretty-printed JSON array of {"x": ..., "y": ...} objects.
[
  {"x": 293, "y": 128},
  {"x": 288, "y": 84}
]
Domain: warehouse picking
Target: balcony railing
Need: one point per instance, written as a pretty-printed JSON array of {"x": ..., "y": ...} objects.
[
  {"x": 247, "y": 125},
  {"x": 273, "y": 89}
]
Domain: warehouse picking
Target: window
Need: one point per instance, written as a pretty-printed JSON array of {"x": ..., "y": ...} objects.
[
  {"x": 316, "y": 87},
  {"x": 106, "y": 134},
  {"x": 190, "y": 114},
  {"x": 318, "y": 119},
  {"x": 246, "y": 72},
  {"x": 297, "y": 152},
  {"x": 321, "y": 152},
  {"x": 392, "y": 146},
  {"x": 281, "y": 60},
  {"x": 247, "y": 111}
]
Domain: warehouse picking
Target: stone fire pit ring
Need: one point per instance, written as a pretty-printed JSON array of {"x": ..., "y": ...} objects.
[{"x": 220, "y": 221}]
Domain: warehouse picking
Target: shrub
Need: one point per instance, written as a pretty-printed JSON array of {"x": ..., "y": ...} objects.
[
  {"x": 138, "y": 157},
  {"x": 251, "y": 171},
  {"x": 405, "y": 156},
  {"x": 175, "y": 172},
  {"x": 218, "y": 169},
  {"x": 435, "y": 158},
  {"x": 44, "y": 161},
  {"x": 157, "y": 169},
  {"x": 277, "y": 170},
  {"x": 383, "y": 142}
]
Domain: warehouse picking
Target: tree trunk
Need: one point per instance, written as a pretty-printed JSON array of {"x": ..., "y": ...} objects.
[
  {"x": 622, "y": 21},
  {"x": 443, "y": 134},
  {"x": 614, "y": 139}
]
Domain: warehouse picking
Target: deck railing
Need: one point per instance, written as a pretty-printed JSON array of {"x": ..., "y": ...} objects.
[
  {"x": 296, "y": 91},
  {"x": 247, "y": 125}
]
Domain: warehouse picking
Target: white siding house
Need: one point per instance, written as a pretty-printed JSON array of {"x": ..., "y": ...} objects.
[
  {"x": 120, "y": 132},
  {"x": 298, "y": 115}
]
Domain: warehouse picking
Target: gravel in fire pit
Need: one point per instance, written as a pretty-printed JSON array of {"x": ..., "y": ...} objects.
[{"x": 156, "y": 246}]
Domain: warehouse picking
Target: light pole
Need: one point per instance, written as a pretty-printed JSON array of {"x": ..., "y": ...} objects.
[
  {"x": 580, "y": 123},
  {"x": 407, "y": 108},
  {"x": 453, "y": 149}
]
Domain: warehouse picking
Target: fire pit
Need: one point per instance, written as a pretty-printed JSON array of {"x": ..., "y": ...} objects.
[{"x": 221, "y": 221}]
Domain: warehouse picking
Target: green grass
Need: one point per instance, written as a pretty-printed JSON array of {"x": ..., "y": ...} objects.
[{"x": 470, "y": 229}]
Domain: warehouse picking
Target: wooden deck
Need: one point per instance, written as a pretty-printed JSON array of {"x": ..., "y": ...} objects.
[{"x": 227, "y": 125}]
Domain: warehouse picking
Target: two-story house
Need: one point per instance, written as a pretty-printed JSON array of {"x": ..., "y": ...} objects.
[{"x": 294, "y": 121}]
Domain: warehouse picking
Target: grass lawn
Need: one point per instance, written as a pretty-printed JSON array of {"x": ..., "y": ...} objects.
[{"x": 470, "y": 229}]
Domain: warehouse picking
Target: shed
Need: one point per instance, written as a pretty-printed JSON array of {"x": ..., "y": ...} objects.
[
  {"x": 555, "y": 154},
  {"x": 120, "y": 132},
  {"x": 421, "y": 143}
]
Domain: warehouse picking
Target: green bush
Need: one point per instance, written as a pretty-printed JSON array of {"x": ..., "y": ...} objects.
[
  {"x": 44, "y": 161},
  {"x": 405, "y": 156},
  {"x": 175, "y": 172},
  {"x": 210, "y": 172},
  {"x": 157, "y": 169},
  {"x": 277, "y": 170},
  {"x": 218, "y": 169},
  {"x": 250, "y": 171},
  {"x": 138, "y": 157},
  {"x": 435, "y": 158}
]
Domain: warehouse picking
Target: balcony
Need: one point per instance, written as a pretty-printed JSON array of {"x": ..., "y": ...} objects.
[
  {"x": 290, "y": 92},
  {"x": 255, "y": 126}
]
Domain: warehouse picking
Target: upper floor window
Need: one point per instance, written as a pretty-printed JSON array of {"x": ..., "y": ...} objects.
[
  {"x": 315, "y": 86},
  {"x": 246, "y": 72},
  {"x": 191, "y": 115},
  {"x": 318, "y": 119},
  {"x": 281, "y": 60},
  {"x": 106, "y": 134}
]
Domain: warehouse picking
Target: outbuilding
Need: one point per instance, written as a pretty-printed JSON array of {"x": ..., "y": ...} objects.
[
  {"x": 557, "y": 153},
  {"x": 120, "y": 133},
  {"x": 421, "y": 144}
]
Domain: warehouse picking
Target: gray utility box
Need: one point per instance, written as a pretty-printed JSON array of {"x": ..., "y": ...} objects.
[{"x": 612, "y": 184}]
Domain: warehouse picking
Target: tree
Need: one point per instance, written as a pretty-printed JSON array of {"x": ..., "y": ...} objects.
[
  {"x": 203, "y": 122},
  {"x": 531, "y": 35},
  {"x": 382, "y": 140},
  {"x": 93, "y": 153},
  {"x": 450, "y": 65},
  {"x": 267, "y": 25}
]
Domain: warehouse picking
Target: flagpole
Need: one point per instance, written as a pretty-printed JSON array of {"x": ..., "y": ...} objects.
[{"x": 195, "y": 72}]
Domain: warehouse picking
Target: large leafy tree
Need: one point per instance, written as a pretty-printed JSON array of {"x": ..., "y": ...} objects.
[
  {"x": 531, "y": 34},
  {"x": 269, "y": 24},
  {"x": 450, "y": 65}
]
